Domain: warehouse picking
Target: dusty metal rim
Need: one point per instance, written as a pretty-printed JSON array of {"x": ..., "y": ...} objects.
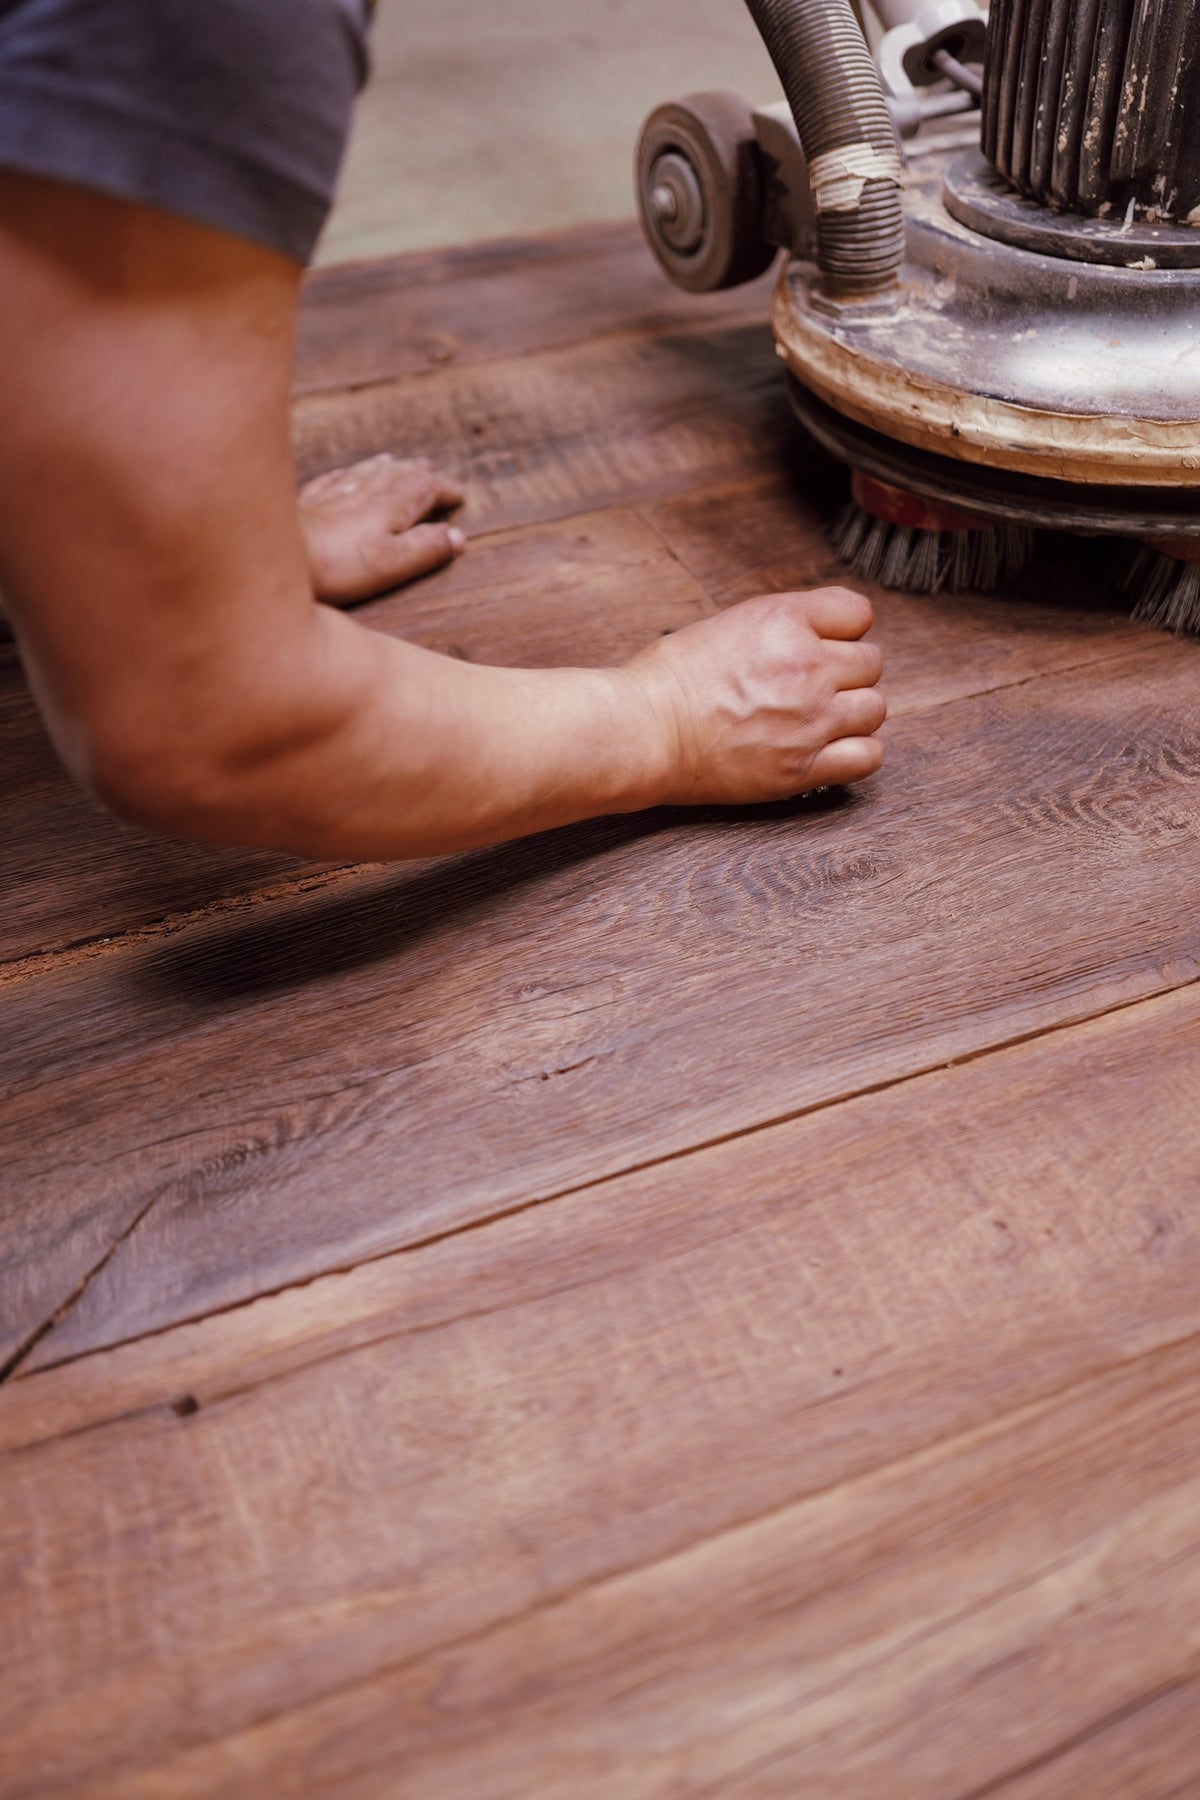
[
  {"x": 1167, "y": 515},
  {"x": 930, "y": 415}
]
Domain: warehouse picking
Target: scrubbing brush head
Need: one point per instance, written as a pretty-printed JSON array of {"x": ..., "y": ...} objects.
[
  {"x": 1163, "y": 580},
  {"x": 920, "y": 547}
]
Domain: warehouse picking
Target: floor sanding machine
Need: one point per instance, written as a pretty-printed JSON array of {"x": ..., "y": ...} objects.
[{"x": 990, "y": 306}]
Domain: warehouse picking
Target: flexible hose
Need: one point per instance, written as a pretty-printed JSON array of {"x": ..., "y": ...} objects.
[{"x": 834, "y": 91}]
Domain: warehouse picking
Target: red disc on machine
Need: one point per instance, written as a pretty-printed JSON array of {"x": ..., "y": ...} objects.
[{"x": 896, "y": 507}]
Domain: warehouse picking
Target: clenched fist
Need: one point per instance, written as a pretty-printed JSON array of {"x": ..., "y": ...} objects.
[{"x": 769, "y": 699}]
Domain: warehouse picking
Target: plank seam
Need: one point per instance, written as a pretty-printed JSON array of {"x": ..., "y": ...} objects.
[
  {"x": 994, "y": 1426},
  {"x": 12, "y": 1367},
  {"x": 1116, "y": 1716},
  {"x": 359, "y": 385}
]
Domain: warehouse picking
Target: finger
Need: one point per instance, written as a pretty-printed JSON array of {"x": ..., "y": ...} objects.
[
  {"x": 846, "y": 760},
  {"x": 838, "y": 612},
  {"x": 423, "y": 549},
  {"x": 854, "y": 665},
  {"x": 453, "y": 493},
  {"x": 446, "y": 491},
  {"x": 414, "y": 498},
  {"x": 386, "y": 470},
  {"x": 400, "y": 557},
  {"x": 386, "y": 460},
  {"x": 858, "y": 712}
]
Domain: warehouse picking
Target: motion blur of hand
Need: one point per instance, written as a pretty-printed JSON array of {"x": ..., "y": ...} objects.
[{"x": 768, "y": 699}]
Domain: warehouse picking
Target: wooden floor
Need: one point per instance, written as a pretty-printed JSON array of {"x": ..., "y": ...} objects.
[{"x": 702, "y": 1304}]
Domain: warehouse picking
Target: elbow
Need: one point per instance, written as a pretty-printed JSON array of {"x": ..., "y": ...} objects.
[{"x": 154, "y": 778}]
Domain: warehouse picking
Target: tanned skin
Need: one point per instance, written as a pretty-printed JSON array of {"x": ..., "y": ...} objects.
[{"x": 161, "y": 574}]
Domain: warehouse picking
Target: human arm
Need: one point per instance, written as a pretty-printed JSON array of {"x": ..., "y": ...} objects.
[{"x": 153, "y": 560}]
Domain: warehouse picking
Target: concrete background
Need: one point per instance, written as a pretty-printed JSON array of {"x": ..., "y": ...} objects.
[{"x": 488, "y": 117}]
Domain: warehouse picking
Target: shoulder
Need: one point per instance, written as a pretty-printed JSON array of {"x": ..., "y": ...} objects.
[{"x": 231, "y": 112}]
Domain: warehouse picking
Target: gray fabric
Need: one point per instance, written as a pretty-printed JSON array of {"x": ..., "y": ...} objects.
[{"x": 230, "y": 112}]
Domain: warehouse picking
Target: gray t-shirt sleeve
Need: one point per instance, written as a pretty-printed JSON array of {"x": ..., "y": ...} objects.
[{"x": 234, "y": 113}]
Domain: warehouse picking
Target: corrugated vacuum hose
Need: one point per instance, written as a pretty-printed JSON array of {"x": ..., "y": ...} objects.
[
  {"x": 699, "y": 169},
  {"x": 834, "y": 91}
]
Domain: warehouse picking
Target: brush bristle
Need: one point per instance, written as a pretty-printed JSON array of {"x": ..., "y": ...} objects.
[
  {"x": 1165, "y": 591},
  {"x": 931, "y": 562}
]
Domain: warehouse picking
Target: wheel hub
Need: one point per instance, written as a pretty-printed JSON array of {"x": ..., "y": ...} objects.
[{"x": 676, "y": 202}]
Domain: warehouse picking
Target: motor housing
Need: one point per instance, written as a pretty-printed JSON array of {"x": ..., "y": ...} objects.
[{"x": 1035, "y": 354}]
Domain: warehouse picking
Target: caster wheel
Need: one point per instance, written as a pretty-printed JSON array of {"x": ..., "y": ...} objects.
[{"x": 699, "y": 190}]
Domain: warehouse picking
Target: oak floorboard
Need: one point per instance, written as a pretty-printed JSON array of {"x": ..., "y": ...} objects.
[
  {"x": 1002, "y": 1169},
  {"x": 917, "y": 1634},
  {"x": 434, "y": 1044},
  {"x": 420, "y": 312},
  {"x": 1149, "y": 1751},
  {"x": 608, "y": 423},
  {"x": 594, "y": 588},
  {"x": 413, "y": 1454}
]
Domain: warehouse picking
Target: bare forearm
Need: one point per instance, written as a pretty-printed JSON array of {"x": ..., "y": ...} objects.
[{"x": 371, "y": 748}]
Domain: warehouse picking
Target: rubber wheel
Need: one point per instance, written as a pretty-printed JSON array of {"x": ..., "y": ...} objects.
[{"x": 713, "y": 135}]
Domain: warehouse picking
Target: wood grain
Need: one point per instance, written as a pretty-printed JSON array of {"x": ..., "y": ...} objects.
[
  {"x": 402, "y": 315},
  {"x": 647, "y": 984},
  {"x": 918, "y": 1634},
  {"x": 1149, "y": 1751},
  {"x": 601, "y": 424},
  {"x": 742, "y": 1330}
]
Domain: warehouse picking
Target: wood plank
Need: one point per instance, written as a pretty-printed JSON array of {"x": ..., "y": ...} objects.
[
  {"x": 921, "y": 1633},
  {"x": 589, "y": 592},
  {"x": 396, "y": 1457},
  {"x": 1150, "y": 1752},
  {"x": 508, "y": 1026},
  {"x": 1001, "y": 1169},
  {"x": 515, "y": 593},
  {"x": 402, "y": 315},
  {"x": 609, "y": 423}
]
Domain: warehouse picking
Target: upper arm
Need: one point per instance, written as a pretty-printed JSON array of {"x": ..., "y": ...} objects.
[{"x": 150, "y": 552}]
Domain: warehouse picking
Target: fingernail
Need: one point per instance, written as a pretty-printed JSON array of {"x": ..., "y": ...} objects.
[{"x": 458, "y": 539}]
